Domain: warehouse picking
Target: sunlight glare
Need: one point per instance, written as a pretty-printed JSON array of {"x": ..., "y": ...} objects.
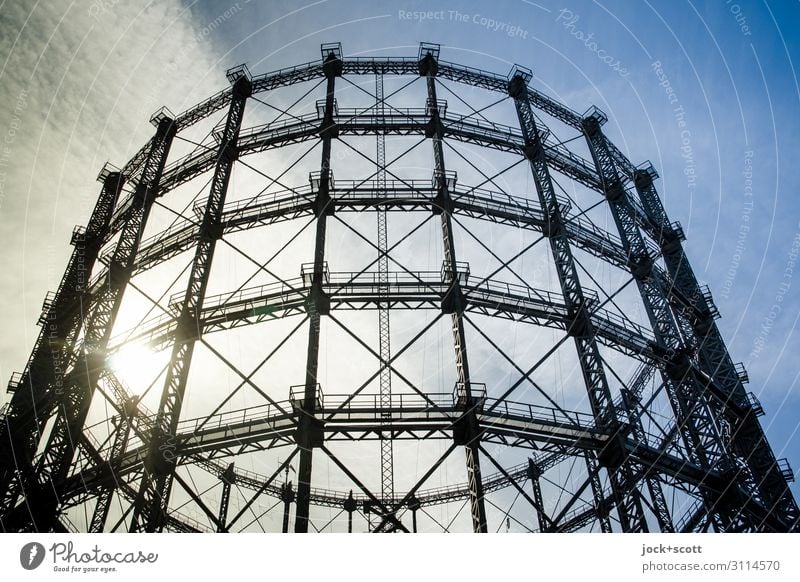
[{"x": 136, "y": 366}]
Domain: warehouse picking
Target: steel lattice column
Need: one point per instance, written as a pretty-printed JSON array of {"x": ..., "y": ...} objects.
[
  {"x": 747, "y": 437},
  {"x": 534, "y": 474},
  {"x": 154, "y": 491},
  {"x": 81, "y": 381},
  {"x": 32, "y": 403},
  {"x": 228, "y": 478},
  {"x": 614, "y": 458},
  {"x": 466, "y": 430},
  {"x": 601, "y": 505},
  {"x": 309, "y": 431},
  {"x": 287, "y": 496},
  {"x": 689, "y": 402},
  {"x": 122, "y": 431},
  {"x": 384, "y": 335},
  {"x": 631, "y": 403}
]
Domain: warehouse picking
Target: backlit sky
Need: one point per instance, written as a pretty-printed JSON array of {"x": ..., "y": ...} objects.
[{"x": 707, "y": 91}]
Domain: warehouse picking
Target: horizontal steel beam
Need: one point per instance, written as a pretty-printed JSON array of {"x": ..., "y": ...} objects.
[
  {"x": 362, "y": 418},
  {"x": 363, "y": 122},
  {"x": 417, "y": 290},
  {"x": 360, "y": 196}
]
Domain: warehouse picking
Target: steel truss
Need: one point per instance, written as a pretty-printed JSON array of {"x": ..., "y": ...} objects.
[{"x": 675, "y": 445}]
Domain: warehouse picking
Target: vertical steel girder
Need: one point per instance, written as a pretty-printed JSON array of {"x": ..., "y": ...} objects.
[
  {"x": 631, "y": 402},
  {"x": 81, "y": 382},
  {"x": 228, "y": 478},
  {"x": 534, "y": 474},
  {"x": 309, "y": 431},
  {"x": 413, "y": 506},
  {"x": 613, "y": 458},
  {"x": 601, "y": 506},
  {"x": 384, "y": 336},
  {"x": 350, "y": 506},
  {"x": 42, "y": 380},
  {"x": 287, "y": 496},
  {"x": 150, "y": 508},
  {"x": 748, "y": 441},
  {"x": 689, "y": 400},
  {"x": 122, "y": 431},
  {"x": 466, "y": 431}
]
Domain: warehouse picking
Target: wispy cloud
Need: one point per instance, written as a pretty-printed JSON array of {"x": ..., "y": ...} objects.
[{"x": 83, "y": 80}]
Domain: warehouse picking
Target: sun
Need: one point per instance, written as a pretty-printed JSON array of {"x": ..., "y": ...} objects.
[{"x": 136, "y": 366}]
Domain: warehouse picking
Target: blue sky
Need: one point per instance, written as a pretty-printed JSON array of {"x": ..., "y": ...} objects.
[
  {"x": 79, "y": 81},
  {"x": 731, "y": 66}
]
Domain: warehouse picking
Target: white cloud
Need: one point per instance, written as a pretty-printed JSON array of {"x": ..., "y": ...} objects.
[{"x": 84, "y": 80}]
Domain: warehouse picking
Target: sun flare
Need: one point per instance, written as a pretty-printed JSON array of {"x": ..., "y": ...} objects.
[{"x": 136, "y": 366}]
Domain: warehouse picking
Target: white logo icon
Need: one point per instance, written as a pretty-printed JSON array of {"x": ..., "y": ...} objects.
[{"x": 31, "y": 555}]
